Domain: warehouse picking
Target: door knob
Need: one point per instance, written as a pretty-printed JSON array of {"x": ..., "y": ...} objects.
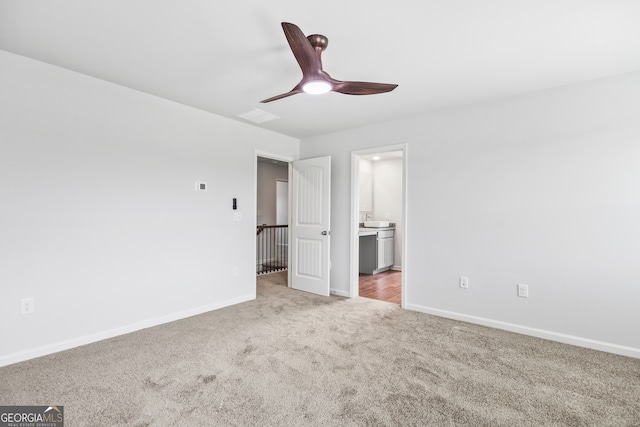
[{"x": 325, "y": 233}]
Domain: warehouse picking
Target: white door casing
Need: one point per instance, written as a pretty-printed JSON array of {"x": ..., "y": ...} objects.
[{"x": 309, "y": 229}]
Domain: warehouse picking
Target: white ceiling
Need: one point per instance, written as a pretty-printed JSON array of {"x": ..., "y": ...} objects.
[{"x": 224, "y": 57}]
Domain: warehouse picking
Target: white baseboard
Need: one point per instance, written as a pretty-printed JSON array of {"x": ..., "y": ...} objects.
[
  {"x": 21, "y": 356},
  {"x": 525, "y": 330},
  {"x": 396, "y": 267},
  {"x": 339, "y": 293}
]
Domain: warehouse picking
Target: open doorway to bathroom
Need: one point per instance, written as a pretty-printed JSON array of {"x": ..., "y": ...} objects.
[{"x": 378, "y": 211}]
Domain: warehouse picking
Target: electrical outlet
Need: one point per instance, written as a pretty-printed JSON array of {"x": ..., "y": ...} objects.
[
  {"x": 523, "y": 290},
  {"x": 464, "y": 282},
  {"x": 27, "y": 306}
]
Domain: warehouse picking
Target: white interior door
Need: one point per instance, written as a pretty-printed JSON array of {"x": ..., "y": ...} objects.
[{"x": 309, "y": 226}]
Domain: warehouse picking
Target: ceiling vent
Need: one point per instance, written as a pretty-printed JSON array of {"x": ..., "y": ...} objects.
[{"x": 258, "y": 116}]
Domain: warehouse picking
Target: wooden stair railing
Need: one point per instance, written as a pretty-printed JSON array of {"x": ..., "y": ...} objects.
[{"x": 272, "y": 250}]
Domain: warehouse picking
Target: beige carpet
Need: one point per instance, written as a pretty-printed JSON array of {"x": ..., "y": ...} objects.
[{"x": 290, "y": 358}]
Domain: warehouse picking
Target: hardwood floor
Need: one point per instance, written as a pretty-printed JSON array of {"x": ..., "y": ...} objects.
[{"x": 385, "y": 286}]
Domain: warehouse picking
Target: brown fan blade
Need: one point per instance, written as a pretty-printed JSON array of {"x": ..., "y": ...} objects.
[
  {"x": 305, "y": 54},
  {"x": 361, "y": 88},
  {"x": 283, "y": 95}
]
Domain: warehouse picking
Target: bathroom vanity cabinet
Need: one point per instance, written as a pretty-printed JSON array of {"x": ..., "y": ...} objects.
[{"x": 376, "y": 250}]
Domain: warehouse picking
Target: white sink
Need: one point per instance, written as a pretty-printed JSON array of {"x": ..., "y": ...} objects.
[{"x": 376, "y": 223}]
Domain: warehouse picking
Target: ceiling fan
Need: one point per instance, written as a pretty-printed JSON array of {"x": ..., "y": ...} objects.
[{"x": 315, "y": 80}]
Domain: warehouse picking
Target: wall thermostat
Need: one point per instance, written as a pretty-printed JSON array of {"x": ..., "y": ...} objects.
[{"x": 201, "y": 186}]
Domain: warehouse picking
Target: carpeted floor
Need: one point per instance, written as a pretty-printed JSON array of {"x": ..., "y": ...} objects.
[{"x": 292, "y": 359}]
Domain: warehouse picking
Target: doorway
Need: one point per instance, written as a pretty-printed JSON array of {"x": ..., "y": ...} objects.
[
  {"x": 308, "y": 229},
  {"x": 272, "y": 215},
  {"x": 378, "y": 249}
]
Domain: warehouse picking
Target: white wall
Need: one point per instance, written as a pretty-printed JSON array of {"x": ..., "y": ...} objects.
[
  {"x": 539, "y": 189},
  {"x": 99, "y": 218},
  {"x": 387, "y": 199},
  {"x": 365, "y": 182},
  {"x": 268, "y": 175}
]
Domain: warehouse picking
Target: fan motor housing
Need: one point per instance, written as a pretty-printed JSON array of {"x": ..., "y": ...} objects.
[{"x": 318, "y": 41}]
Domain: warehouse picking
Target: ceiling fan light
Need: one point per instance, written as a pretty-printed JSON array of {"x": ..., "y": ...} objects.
[{"x": 316, "y": 87}]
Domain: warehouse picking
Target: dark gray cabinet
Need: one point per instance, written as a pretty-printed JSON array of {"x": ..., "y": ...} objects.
[{"x": 376, "y": 251}]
